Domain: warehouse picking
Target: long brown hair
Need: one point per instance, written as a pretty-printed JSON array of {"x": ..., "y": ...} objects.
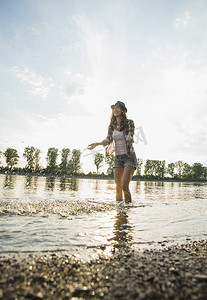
[{"x": 113, "y": 122}]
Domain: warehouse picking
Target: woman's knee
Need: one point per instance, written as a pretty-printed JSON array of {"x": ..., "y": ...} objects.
[{"x": 125, "y": 186}]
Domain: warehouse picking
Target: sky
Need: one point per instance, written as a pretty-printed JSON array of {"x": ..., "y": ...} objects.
[{"x": 64, "y": 63}]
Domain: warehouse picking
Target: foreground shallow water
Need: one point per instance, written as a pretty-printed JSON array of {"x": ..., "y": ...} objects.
[{"x": 80, "y": 216}]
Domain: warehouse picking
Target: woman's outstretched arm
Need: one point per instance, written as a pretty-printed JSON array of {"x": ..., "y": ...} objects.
[{"x": 93, "y": 145}]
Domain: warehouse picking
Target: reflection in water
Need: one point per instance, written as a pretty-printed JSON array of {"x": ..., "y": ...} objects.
[
  {"x": 74, "y": 184},
  {"x": 110, "y": 185},
  {"x": 148, "y": 186},
  {"x": 9, "y": 181},
  {"x": 122, "y": 230},
  {"x": 161, "y": 212},
  {"x": 63, "y": 183},
  {"x": 97, "y": 185},
  {"x": 31, "y": 182},
  {"x": 155, "y": 190},
  {"x": 138, "y": 187},
  {"x": 70, "y": 183},
  {"x": 198, "y": 193},
  {"x": 154, "y": 183},
  {"x": 50, "y": 183},
  {"x": 28, "y": 182}
]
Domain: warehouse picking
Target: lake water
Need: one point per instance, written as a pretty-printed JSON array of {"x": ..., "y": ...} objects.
[{"x": 80, "y": 216}]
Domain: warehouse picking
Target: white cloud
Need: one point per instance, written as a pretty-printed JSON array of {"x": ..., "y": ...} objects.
[
  {"x": 90, "y": 59},
  {"x": 185, "y": 21},
  {"x": 63, "y": 94},
  {"x": 38, "y": 85},
  {"x": 92, "y": 39}
]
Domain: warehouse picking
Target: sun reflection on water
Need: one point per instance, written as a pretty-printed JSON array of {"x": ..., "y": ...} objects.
[{"x": 43, "y": 213}]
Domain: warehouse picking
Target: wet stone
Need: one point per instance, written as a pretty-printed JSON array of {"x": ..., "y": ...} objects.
[
  {"x": 201, "y": 277},
  {"x": 32, "y": 296},
  {"x": 125, "y": 274}
]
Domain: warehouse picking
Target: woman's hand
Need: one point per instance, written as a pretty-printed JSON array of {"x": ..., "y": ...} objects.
[
  {"x": 92, "y": 146},
  {"x": 129, "y": 138}
]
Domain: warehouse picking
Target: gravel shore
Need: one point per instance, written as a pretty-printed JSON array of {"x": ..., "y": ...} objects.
[{"x": 177, "y": 272}]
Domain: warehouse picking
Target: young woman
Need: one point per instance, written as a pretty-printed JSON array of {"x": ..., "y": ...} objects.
[{"x": 120, "y": 138}]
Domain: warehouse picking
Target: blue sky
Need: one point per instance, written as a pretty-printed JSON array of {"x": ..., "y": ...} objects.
[{"x": 63, "y": 63}]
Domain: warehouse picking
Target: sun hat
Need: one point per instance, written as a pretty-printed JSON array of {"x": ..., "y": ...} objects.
[{"x": 120, "y": 104}]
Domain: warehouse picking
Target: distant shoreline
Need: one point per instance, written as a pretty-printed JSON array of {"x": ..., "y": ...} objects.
[{"x": 97, "y": 177}]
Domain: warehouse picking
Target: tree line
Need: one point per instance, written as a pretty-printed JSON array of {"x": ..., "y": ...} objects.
[
  {"x": 180, "y": 170},
  {"x": 70, "y": 161},
  {"x": 71, "y": 165}
]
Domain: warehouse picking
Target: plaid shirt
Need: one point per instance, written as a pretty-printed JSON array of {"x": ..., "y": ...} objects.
[{"x": 128, "y": 136}]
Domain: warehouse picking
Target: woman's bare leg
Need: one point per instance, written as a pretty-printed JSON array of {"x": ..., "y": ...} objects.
[
  {"x": 127, "y": 176},
  {"x": 118, "y": 174}
]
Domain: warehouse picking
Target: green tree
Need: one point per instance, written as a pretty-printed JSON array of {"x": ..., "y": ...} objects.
[
  {"x": 205, "y": 173},
  {"x": 51, "y": 158},
  {"x": 37, "y": 159},
  {"x": 171, "y": 169},
  {"x": 32, "y": 156},
  {"x": 154, "y": 168},
  {"x": 11, "y": 156},
  {"x": 160, "y": 169},
  {"x": 110, "y": 162},
  {"x": 64, "y": 160},
  {"x": 149, "y": 168},
  {"x": 197, "y": 171},
  {"x": 187, "y": 171},
  {"x": 98, "y": 160},
  {"x": 74, "y": 166},
  {"x": 139, "y": 166},
  {"x": 179, "y": 165}
]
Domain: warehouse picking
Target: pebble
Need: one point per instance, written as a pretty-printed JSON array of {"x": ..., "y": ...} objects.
[
  {"x": 124, "y": 274},
  {"x": 201, "y": 277}
]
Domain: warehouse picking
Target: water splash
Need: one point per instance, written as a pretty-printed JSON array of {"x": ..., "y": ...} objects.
[{"x": 63, "y": 208}]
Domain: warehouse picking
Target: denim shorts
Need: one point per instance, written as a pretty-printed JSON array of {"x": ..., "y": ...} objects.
[{"x": 124, "y": 160}]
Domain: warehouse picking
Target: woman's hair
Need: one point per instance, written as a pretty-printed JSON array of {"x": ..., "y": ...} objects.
[{"x": 123, "y": 124}]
